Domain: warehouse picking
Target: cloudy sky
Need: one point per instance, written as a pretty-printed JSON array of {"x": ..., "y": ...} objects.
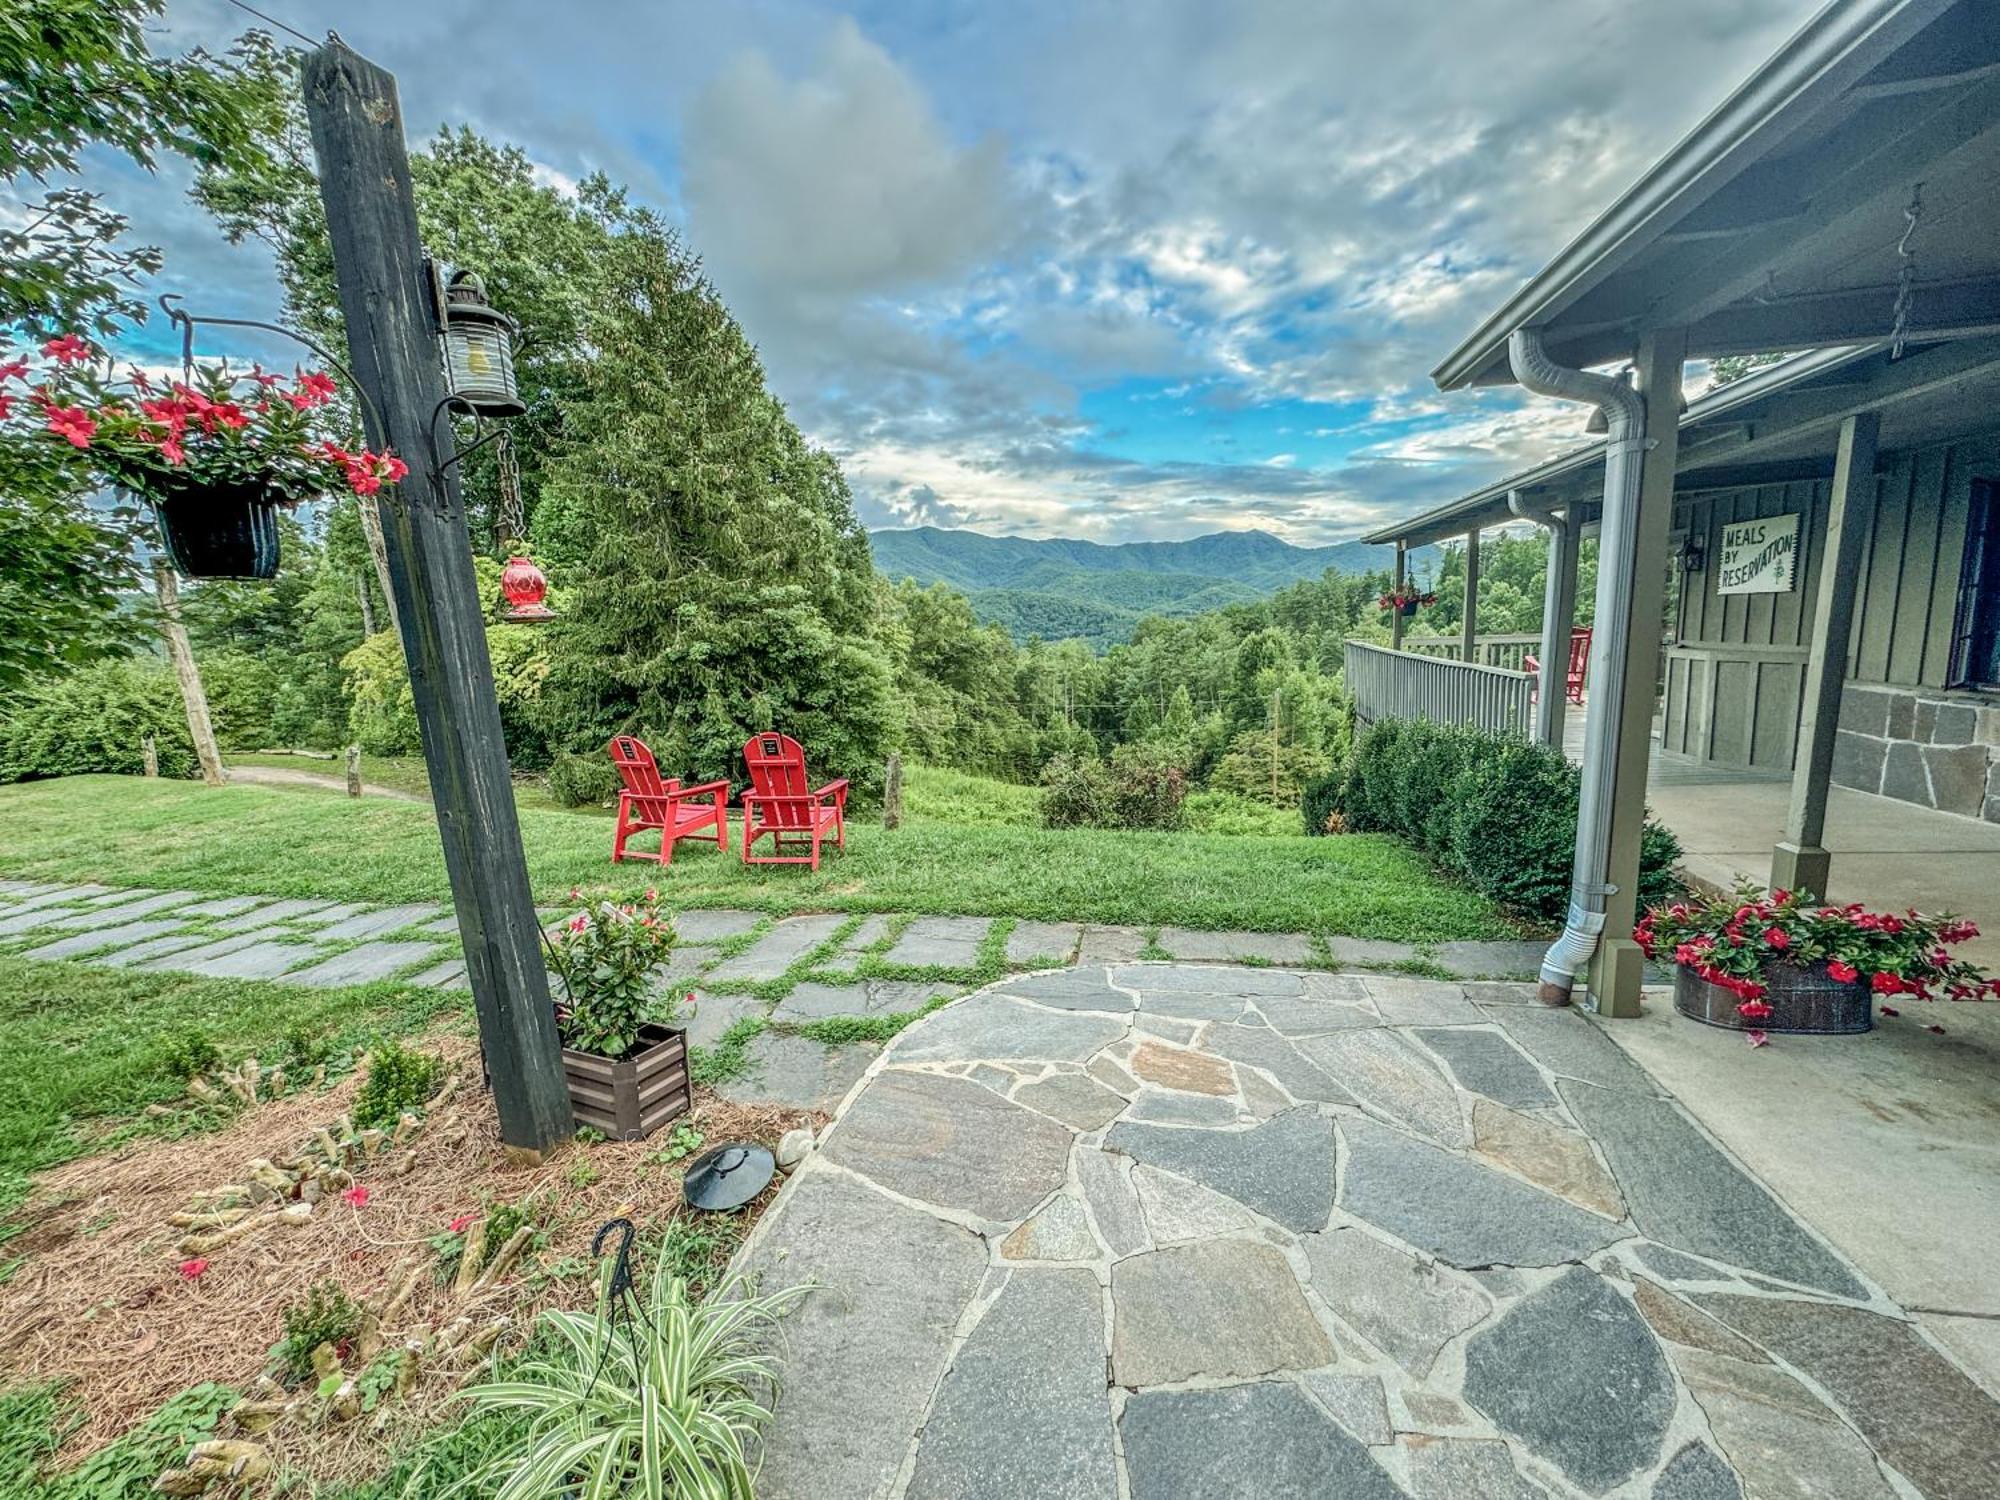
[{"x": 1116, "y": 270}]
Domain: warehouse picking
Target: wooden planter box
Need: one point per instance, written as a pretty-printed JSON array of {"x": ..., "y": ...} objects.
[
  {"x": 1808, "y": 1002},
  {"x": 630, "y": 1100}
]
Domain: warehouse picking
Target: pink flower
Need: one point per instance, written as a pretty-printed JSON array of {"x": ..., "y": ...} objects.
[
  {"x": 14, "y": 369},
  {"x": 1755, "y": 1038},
  {"x": 356, "y": 1195},
  {"x": 652, "y": 894},
  {"x": 315, "y": 388},
  {"x": 458, "y": 1224},
  {"x": 1754, "y": 1010},
  {"x": 1778, "y": 938},
  {"x": 1883, "y": 983},
  {"x": 191, "y": 1270},
  {"x": 6, "y": 407},
  {"x": 394, "y": 470},
  {"x": 264, "y": 377},
  {"x": 576, "y": 893},
  {"x": 72, "y": 423},
  {"x": 1845, "y": 973},
  {"x": 68, "y": 350}
]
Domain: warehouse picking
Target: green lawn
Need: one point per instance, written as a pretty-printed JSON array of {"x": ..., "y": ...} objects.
[{"x": 304, "y": 842}]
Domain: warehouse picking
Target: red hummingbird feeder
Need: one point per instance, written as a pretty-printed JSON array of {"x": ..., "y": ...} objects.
[{"x": 525, "y": 588}]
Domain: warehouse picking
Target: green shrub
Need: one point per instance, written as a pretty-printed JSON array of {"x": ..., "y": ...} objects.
[
  {"x": 189, "y": 1054},
  {"x": 96, "y": 720},
  {"x": 1148, "y": 788},
  {"x": 582, "y": 780},
  {"x": 381, "y": 710},
  {"x": 399, "y": 1078},
  {"x": 1076, "y": 793},
  {"x": 1496, "y": 811},
  {"x": 1320, "y": 802},
  {"x": 241, "y": 690},
  {"x": 327, "y": 1316}
]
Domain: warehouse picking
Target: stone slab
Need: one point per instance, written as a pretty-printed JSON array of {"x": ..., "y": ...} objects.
[
  {"x": 940, "y": 943},
  {"x": 774, "y": 954},
  {"x": 991, "y": 1027},
  {"x": 874, "y": 927},
  {"x": 152, "y": 948},
  {"x": 1261, "y": 1047},
  {"x": 1572, "y": 1372},
  {"x": 1487, "y": 1063},
  {"x": 445, "y": 926},
  {"x": 1917, "y": 1410},
  {"x": 1506, "y": 960},
  {"x": 1110, "y": 944},
  {"x": 1369, "y": 952},
  {"x": 1671, "y": 1265},
  {"x": 1076, "y": 1099},
  {"x": 1355, "y": 1402},
  {"x": 1153, "y": 980},
  {"x": 889, "y": 1285},
  {"x": 815, "y": 1001},
  {"x": 78, "y": 944},
  {"x": 1071, "y": 989},
  {"x": 119, "y": 913},
  {"x": 227, "y": 906},
  {"x": 1451, "y": 1207},
  {"x": 1058, "y": 1230},
  {"x": 1569, "y": 1044},
  {"x": 277, "y": 911},
  {"x": 1695, "y": 1473},
  {"x": 1404, "y": 1001},
  {"x": 1555, "y": 1159},
  {"x": 1113, "y": 1201},
  {"x": 712, "y": 925},
  {"x": 1050, "y": 942},
  {"x": 329, "y": 915},
  {"x": 1408, "y": 1308},
  {"x": 951, "y": 1142},
  {"x": 1387, "y": 1074},
  {"x": 1282, "y": 1168},
  {"x": 1178, "y": 1068},
  {"x": 1495, "y": 992},
  {"x": 1683, "y": 1191},
  {"x": 797, "y": 1072},
  {"x": 364, "y": 965},
  {"x": 1466, "y": 1469},
  {"x": 370, "y": 924},
  {"x": 449, "y": 975},
  {"x": 1234, "y": 947},
  {"x": 1244, "y": 1442},
  {"x": 1337, "y": 1003},
  {"x": 1683, "y": 1323},
  {"x": 1024, "y": 1410},
  {"x": 1178, "y": 1210},
  {"x": 1777, "y": 1435},
  {"x": 715, "y": 1014},
  {"x": 1213, "y": 1310},
  {"x": 258, "y": 960},
  {"x": 1160, "y": 1107}
]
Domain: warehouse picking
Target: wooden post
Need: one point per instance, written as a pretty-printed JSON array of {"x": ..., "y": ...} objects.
[
  {"x": 1618, "y": 968},
  {"x": 386, "y": 300},
  {"x": 1558, "y": 620},
  {"x": 1274, "y": 747},
  {"x": 149, "y": 756},
  {"x": 1396, "y": 614},
  {"x": 1801, "y": 862},
  {"x": 1468, "y": 627},
  {"x": 194, "y": 699},
  {"x": 892, "y": 792},
  {"x": 354, "y": 770}
]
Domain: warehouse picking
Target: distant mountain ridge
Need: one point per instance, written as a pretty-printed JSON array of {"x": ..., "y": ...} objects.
[{"x": 1060, "y": 588}]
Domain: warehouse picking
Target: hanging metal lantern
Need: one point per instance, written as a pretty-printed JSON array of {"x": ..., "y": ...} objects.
[
  {"x": 479, "y": 350},
  {"x": 525, "y": 588}
]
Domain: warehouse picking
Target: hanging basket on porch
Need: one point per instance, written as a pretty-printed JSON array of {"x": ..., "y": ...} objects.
[
  {"x": 1406, "y": 603},
  {"x": 223, "y": 530},
  {"x": 1805, "y": 1002}
]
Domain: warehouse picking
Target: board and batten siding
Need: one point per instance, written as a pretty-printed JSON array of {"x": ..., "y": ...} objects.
[{"x": 1735, "y": 669}]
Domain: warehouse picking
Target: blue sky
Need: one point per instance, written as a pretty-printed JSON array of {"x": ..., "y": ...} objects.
[{"x": 1117, "y": 270}]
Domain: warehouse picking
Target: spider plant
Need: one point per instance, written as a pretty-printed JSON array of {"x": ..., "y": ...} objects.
[{"x": 660, "y": 1404}]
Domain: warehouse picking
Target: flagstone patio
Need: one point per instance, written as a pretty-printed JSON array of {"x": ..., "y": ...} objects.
[{"x": 1179, "y": 1232}]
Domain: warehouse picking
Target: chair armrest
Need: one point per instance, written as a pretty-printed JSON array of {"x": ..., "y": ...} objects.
[
  {"x": 834, "y": 789},
  {"x": 703, "y": 790}
]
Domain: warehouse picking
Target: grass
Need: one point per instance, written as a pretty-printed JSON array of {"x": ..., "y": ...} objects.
[
  {"x": 398, "y": 773},
  {"x": 248, "y": 840}
]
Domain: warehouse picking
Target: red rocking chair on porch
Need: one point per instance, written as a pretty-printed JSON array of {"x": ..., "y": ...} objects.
[
  {"x": 1579, "y": 664},
  {"x": 648, "y": 802},
  {"x": 779, "y": 804}
]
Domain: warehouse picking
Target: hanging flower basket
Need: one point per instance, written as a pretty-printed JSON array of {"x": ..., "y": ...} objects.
[
  {"x": 214, "y": 455},
  {"x": 1407, "y": 602}
]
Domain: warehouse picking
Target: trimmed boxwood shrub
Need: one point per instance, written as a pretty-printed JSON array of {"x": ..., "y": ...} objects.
[
  {"x": 1496, "y": 811},
  {"x": 95, "y": 720}
]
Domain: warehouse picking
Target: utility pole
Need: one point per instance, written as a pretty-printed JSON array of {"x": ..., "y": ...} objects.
[
  {"x": 387, "y": 302},
  {"x": 1274, "y": 747}
]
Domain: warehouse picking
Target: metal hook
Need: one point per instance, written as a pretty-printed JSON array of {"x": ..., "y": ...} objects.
[{"x": 186, "y": 322}]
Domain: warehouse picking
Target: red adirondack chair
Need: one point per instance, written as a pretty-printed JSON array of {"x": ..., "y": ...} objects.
[
  {"x": 779, "y": 804},
  {"x": 648, "y": 802},
  {"x": 1579, "y": 664}
]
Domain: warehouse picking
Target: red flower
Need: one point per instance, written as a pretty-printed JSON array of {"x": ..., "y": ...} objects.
[
  {"x": 393, "y": 468},
  {"x": 172, "y": 452},
  {"x": 1888, "y": 1010},
  {"x": 68, "y": 350},
  {"x": 1845, "y": 973},
  {"x": 6, "y": 407},
  {"x": 356, "y": 1195},
  {"x": 1755, "y": 1038},
  {"x": 229, "y": 414},
  {"x": 1778, "y": 938},
  {"x": 315, "y": 388},
  {"x": 1779, "y": 898},
  {"x": 191, "y": 1270},
  {"x": 264, "y": 377},
  {"x": 1754, "y": 1010},
  {"x": 15, "y": 369},
  {"x": 578, "y": 922},
  {"x": 1884, "y": 983},
  {"x": 458, "y": 1224},
  {"x": 73, "y": 423}
]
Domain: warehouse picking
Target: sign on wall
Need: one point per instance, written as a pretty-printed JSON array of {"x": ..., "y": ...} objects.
[{"x": 1759, "y": 557}]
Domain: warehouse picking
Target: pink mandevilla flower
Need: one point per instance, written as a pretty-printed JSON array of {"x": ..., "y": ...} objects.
[
  {"x": 191, "y": 1270},
  {"x": 69, "y": 349},
  {"x": 356, "y": 1195}
]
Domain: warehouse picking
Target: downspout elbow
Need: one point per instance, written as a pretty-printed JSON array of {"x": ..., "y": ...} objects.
[
  {"x": 1527, "y": 510},
  {"x": 1624, "y": 408}
]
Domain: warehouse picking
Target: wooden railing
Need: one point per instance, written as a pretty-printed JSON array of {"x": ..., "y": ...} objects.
[
  {"x": 1389, "y": 684},
  {"x": 1487, "y": 650}
]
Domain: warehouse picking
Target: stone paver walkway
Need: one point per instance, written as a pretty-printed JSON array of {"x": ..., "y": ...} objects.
[{"x": 1176, "y": 1232}]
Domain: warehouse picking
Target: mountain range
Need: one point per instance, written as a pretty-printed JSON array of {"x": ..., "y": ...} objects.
[{"x": 1060, "y": 589}]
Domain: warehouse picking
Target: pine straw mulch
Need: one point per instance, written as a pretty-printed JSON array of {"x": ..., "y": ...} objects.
[{"x": 99, "y": 1302}]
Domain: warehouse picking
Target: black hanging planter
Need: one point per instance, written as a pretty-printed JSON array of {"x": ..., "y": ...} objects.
[{"x": 226, "y": 530}]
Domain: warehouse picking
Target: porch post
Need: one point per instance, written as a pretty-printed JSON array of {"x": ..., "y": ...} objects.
[
  {"x": 1468, "y": 634},
  {"x": 1618, "y": 966},
  {"x": 1402, "y": 577},
  {"x": 1558, "y": 617},
  {"x": 1800, "y": 862}
]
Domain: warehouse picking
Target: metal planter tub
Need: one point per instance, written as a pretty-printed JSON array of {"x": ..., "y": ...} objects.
[
  {"x": 1804, "y": 1002},
  {"x": 630, "y": 1098}
]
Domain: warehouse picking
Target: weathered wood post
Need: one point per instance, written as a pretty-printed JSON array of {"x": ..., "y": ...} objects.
[
  {"x": 892, "y": 792},
  {"x": 354, "y": 770},
  {"x": 194, "y": 698},
  {"x": 385, "y": 298},
  {"x": 1468, "y": 623},
  {"x": 149, "y": 756},
  {"x": 1402, "y": 577}
]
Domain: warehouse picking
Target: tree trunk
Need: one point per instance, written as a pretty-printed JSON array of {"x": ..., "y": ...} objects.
[
  {"x": 187, "y": 674},
  {"x": 892, "y": 793},
  {"x": 149, "y": 756},
  {"x": 371, "y": 527},
  {"x": 367, "y": 604}
]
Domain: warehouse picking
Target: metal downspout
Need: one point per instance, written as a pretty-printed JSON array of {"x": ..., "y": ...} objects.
[
  {"x": 1555, "y": 664},
  {"x": 1617, "y": 546}
]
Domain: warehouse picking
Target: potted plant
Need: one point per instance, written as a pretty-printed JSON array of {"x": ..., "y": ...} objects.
[
  {"x": 627, "y": 1073},
  {"x": 1406, "y": 600},
  {"x": 214, "y": 455},
  {"x": 1788, "y": 963}
]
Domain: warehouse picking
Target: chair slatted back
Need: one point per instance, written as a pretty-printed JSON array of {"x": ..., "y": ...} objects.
[
  {"x": 1579, "y": 654},
  {"x": 640, "y": 775},
  {"x": 777, "y": 767}
]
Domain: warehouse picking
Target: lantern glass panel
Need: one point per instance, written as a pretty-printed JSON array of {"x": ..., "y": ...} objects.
[{"x": 480, "y": 360}]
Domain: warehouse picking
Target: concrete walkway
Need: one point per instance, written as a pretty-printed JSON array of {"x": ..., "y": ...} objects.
[{"x": 1180, "y": 1232}]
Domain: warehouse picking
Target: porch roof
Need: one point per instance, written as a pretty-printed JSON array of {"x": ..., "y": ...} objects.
[
  {"x": 1775, "y": 224},
  {"x": 1776, "y": 424}
]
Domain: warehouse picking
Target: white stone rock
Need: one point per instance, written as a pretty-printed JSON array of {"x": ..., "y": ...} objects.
[{"x": 792, "y": 1149}]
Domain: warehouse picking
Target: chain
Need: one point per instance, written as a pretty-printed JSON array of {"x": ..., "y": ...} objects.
[
  {"x": 1906, "y": 274},
  {"x": 511, "y": 521}
]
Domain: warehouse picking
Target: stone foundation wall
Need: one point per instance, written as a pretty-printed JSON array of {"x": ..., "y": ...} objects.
[{"x": 1934, "y": 749}]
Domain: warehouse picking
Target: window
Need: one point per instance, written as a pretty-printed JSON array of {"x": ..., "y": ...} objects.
[{"x": 1975, "y": 637}]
